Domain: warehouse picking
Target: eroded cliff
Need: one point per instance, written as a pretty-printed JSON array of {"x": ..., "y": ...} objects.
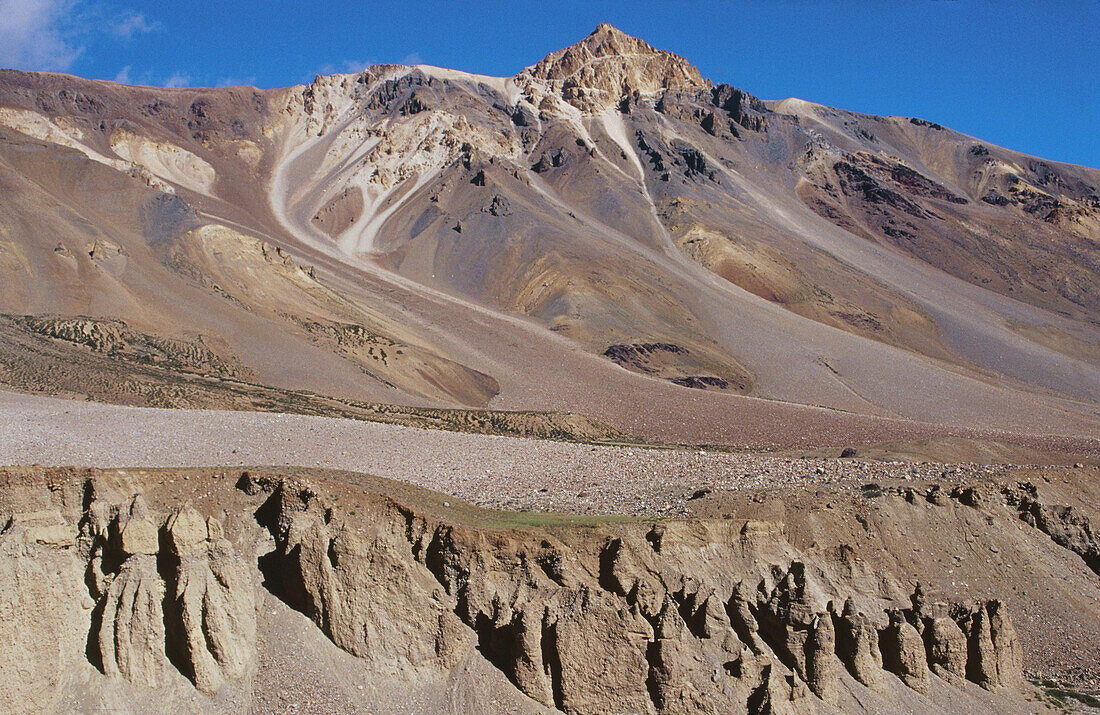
[{"x": 149, "y": 587}]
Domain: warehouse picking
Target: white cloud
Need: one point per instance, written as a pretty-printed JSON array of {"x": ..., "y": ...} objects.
[
  {"x": 178, "y": 79},
  {"x": 123, "y": 76},
  {"x": 51, "y": 34},
  {"x": 130, "y": 23},
  {"x": 412, "y": 59},
  {"x": 35, "y": 34}
]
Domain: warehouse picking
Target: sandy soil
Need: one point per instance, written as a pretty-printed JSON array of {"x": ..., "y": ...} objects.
[{"x": 507, "y": 472}]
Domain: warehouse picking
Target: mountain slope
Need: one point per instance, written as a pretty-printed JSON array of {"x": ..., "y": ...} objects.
[{"x": 606, "y": 232}]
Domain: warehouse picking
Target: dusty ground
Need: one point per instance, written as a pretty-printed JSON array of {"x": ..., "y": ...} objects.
[
  {"x": 507, "y": 472},
  {"x": 825, "y": 501}
]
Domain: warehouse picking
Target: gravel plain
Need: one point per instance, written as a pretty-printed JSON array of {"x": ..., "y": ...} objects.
[{"x": 500, "y": 472}]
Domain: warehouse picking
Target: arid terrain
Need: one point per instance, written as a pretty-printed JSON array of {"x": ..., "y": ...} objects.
[
  {"x": 607, "y": 220},
  {"x": 598, "y": 388},
  {"x": 866, "y": 584}
]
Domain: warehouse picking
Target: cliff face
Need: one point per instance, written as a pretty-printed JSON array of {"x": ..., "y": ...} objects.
[
  {"x": 676, "y": 617},
  {"x": 138, "y": 596}
]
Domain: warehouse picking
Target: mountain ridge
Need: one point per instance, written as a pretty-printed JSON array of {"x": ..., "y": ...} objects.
[{"x": 778, "y": 249}]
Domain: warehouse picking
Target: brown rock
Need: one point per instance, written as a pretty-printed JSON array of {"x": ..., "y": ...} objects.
[
  {"x": 529, "y": 672},
  {"x": 903, "y": 652},
  {"x": 140, "y": 536},
  {"x": 186, "y": 530},
  {"x": 802, "y": 636},
  {"x": 366, "y": 595},
  {"x": 946, "y": 645},
  {"x": 981, "y": 661},
  {"x": 131, "y": 632},
  {"x": 821, "y": 660},
  {"x": 45, "y": 527},
  {"x": 215, "y": 599},
  {"x": 1006, "y": 647},
  {"x": 626, "y": 66},
  {"x": 857, "y": 646},
  {"x": 602, "y": 655}
]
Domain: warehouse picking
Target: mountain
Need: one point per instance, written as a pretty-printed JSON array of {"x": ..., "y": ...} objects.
[
  {"x": 686, "y": 301},
  {"x": 606, "y": 233}
]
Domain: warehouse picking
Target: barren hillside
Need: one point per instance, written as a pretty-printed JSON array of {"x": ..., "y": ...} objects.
[{"x": 607, "y": 220}]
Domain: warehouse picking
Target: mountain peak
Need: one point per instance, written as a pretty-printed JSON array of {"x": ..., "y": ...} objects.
[
  {"x": 606, "y": 30},
  {"x": 608, "y": 65}
]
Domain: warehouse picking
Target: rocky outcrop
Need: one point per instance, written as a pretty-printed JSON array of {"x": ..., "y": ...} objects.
[
  {"x": 44, "y": 609},
  {"x": 903, "y": 652},
  {"x": 116, "y": 339},
  {"x": 1066, "y": 526},
  {"x": 994, "y": 658},
  {"x": 160, "y": 597},
  {"x": 131, "y": 636},
  {"x": 857, "y": 646},
  {"x": 214, "y": 599},
  {"x": 360, "y": 587},
  {"x": 636, "y": 616},
  {"x": 652, "y": 620},
  {"x": 743, "y": 109},
  {"x": 801, "y": 631},
  {"x": 947, "y": 648},
  {"x": 608, "y": 67}
]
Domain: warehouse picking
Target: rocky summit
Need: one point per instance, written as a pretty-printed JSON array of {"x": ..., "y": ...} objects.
[
  {"x": 603, "y": 387},
  {"x": 608, "y": 68}
]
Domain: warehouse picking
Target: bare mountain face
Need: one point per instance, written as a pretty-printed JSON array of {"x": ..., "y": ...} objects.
[{"x": 607, "y": 233}]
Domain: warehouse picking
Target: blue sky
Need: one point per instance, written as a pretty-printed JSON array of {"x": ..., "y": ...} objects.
[{"x": 1018, "y": 74}]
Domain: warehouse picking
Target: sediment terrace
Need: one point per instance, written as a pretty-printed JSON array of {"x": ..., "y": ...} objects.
[{"x": 260, "y": 589}]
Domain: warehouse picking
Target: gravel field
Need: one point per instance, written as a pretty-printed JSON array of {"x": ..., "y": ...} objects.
[{"x": 501, "y": 472}]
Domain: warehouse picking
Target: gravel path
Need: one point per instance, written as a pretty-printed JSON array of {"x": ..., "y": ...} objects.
[{"x": 506, "y": 472}]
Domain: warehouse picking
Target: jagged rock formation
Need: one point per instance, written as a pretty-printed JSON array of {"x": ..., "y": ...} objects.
[
  {"x": 858, "y": 638},
  {"x": 667, "y": 621},
  {"x": 193, "y": 602},
  {"x": 114, "y": 338},
  {"x": 366, "y": 598},
  {"x": 214, "y": 600},
  {"x": 158, "y": 595},
  {"x": 1067, "y": 527},
  {"x": 131, "y": 635},
  {"x": 148, "y": 594},
  {"x": 609, "y": 67}
]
